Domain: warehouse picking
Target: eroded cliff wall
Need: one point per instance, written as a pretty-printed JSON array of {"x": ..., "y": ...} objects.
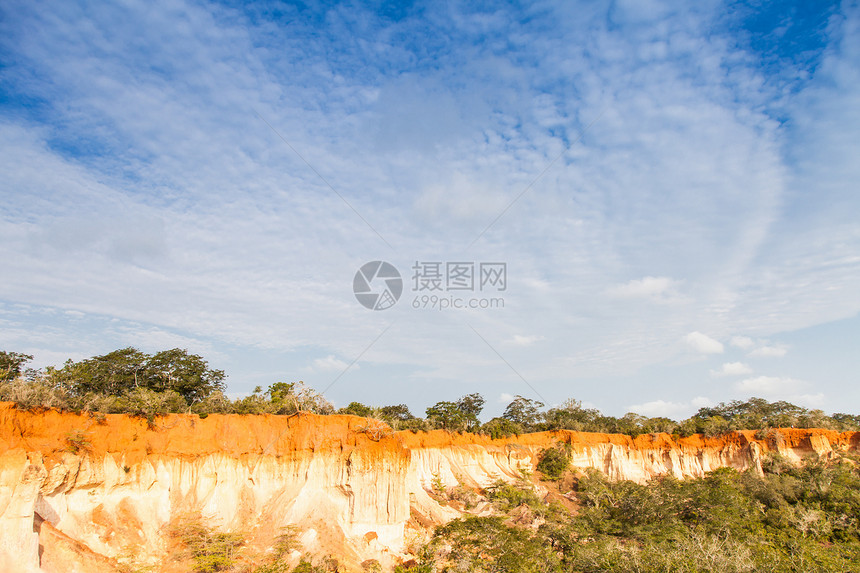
[{"x": 79, "y": 492}]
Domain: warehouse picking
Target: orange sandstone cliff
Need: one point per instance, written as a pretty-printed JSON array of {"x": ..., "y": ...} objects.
[{"x": 85, "y": 493}]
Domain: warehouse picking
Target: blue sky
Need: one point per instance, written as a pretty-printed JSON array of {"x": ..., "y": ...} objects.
[{"x": 668, "y": 183}]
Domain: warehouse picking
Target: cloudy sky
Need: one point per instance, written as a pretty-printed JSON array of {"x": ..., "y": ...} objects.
[{"x": 671, "y": 186}]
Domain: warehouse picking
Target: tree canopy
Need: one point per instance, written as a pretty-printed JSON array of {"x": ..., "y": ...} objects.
[
  {"x": 175, "y": 380},
  {"x": 11, "y": 364},
  {"x": 124, "y": 370}
]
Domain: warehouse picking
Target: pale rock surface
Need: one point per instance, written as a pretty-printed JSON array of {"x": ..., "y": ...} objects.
[{"x": 350, "y": 494}]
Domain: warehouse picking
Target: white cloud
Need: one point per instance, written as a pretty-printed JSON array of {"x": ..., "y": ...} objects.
[
  {"x": 742, "y": 342},
  {"x": 703, "y": 343},
  {"x": 505, "y": 398},
  {"x": 332, "y": 364},
  {"x": 770, "y": 385},
  {"x": 808, "y": 400},
  {"x": 769, "y": 351},
  {"x": 732, "y": 369},
  {"x": 781, "y": 388},
  {"x": 519, "y": 340},
  {"x": 657, "y": 289},
  {"x": 657, "y": 408},
  {"x": 674, "y": 410}
]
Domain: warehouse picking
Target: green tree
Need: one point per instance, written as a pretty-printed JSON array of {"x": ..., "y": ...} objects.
[
  {"x": 523, "y": 411},
  {"x": 357, "y": 409},
  {"x": 111, "y": 374},
  {"x": 399, "y": 413},
  {"x": 447, "y": 415},
  {"x": 846, "y": 421},
  {"x": 471, "y": 405},
  {"x": 122, "y": 371},
  {"x": 187, "y": 374},
  {"x": 280, "y": 392},
  {"x": 554, "y": 461},
  {"x": 488, "y": 544},
  {"x": 572, "y": 416},
  {"x": 659, "y": 424},
  {"x": 11, "y": 364},
  {"x": 501, "y": 428}
]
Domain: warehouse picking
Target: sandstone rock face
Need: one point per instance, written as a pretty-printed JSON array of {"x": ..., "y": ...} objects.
[{"x": 80, "y": 493}]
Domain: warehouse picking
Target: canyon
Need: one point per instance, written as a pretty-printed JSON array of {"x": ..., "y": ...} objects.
[{"x": 91, "y": 492}]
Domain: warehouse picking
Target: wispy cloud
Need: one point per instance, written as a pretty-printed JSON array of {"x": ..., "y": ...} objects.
[
  {"x": 770, "y": 385},
  {"x": 331, "y": 364},
  {"x": 742, "y": 342},
  {"x": 656, "y": 289},
  {"x": 139, "y": 185},
  {"x": 769, "y": 351},
  {"x": 732, "y": 369},
  {"x": 781, "y": 388},
  {"x": 703, "y": 343},
  {"x": 520, "y": 340},
  {"x": 668, "y": 409}
]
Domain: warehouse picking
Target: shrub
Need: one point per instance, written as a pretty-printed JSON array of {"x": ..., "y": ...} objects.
[
  {"x": 437, "y": 484},
  {"x": 210, "y": 551},
  {"x": 39, "y": 392},
  {"x": 357, "y": 409},
  {"x": 464, "y": 495},
  {"x": 375, "y": 430},
  {"x": 554, "y": 461},
  {"x": 507, "y": 496},
  {"x": 77, "y": 442},
  {"x": 501, "y": 428},
  {"x": 414, "y": 425},
  {"x": 148, "y": 404},
  {"x": 215, "y": 403},
  {"x": 478, "y": 544}
]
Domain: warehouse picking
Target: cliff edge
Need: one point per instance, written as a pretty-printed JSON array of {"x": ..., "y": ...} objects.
[{"x": 92, "y": 492}]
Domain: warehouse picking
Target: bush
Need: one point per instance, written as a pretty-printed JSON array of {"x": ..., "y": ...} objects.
[
  {"x": 210, "y": 551},
  {"x": 11, "y": 364},
  {"x": 414, "y": 425},
  {"x": 77, "y": 442},
  {"x": 479, "y": 544},
  {"x": 507, "y": 496},
  {"x": 501, "y": 428},
  {"x": 805, "y": 519},
  {"x": 215, "y": 403},
  {"x": 37, "y": 393},
  {"x": 148, "y": 404},
  {"x": 554, "y": 461}
]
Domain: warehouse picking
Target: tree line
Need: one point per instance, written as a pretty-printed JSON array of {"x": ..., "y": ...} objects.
[{"x": 172, "y": 381}]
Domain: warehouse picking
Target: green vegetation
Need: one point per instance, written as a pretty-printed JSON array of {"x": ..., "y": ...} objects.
[
  {"x": 461, "y": 415},
  {"x": 210, "y": 551},
  {"x": 490, "y": 544},
  {"x": 172, "y": 381},
  {"x": 11, "y": 364},
  {"x": 554, "y": 461},
  {"x": 132, "y": 382},
  {"x": 76, "y": 442},
  {"x": 793, "y": 519},
  {"x": 510, "y": 496},
  {"x": 803, "y": 518}
]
